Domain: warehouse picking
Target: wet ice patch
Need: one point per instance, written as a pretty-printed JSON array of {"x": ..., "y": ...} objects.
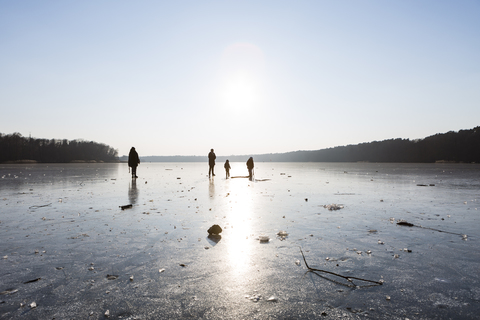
[{"x": 441, "y": 301}]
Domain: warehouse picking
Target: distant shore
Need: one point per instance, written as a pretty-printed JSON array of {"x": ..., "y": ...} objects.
[
  {"x": 74, "y": 161},
  {"x": 221, "y": 160}
]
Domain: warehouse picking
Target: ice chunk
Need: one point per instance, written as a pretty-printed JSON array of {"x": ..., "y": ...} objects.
[
  {"x": 282, "y": 233},
  {"x": 333, "y": 206},
  {"x": 264, "y": 238}
]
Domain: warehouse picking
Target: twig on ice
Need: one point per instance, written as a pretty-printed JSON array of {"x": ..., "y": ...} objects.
[{"x": 349, "y": 279}]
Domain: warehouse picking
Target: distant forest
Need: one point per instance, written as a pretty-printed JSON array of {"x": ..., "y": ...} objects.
[
  {"x": 14, "y": 148},
  {"x": 461, "y": 146}
]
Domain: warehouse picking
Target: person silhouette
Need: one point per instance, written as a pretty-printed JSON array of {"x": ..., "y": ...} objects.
[
  {"x": 133, "y": 161},
  {"x": 211, "y": 163},
  {"x": 250, "y": 168},
  {"x": 227, "y": 169}
]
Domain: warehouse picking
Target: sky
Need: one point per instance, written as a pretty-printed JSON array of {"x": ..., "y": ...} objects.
[{"x": 242, "y": 77}]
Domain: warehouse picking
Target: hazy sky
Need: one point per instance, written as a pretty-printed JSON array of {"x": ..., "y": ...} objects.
[{"x": 182, "y": 77}]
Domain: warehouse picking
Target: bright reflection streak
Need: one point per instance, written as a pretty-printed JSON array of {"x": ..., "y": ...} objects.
[{"x": 240, "y": 247}]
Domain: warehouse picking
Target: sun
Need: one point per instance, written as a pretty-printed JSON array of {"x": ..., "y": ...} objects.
[
  {"x": 240, "y": 91},
  {"x": 242, "y": 69}
]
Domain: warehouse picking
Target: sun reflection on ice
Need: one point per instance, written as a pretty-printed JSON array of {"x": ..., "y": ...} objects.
[{"x": 240, "y": 244}]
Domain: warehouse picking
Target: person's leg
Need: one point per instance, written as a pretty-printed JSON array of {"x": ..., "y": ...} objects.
[{"x": 134, "y": 172}]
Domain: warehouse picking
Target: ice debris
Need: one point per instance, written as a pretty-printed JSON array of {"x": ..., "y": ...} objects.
[
  {"x": 264, "y": 238},
  {"x": 254, "y": 297},
  {"x": 282, "y": 233},
  {"x": 9, "y": 291},
  {"x": 333, "y": 206},
  {"x": 215, "y": 229}
]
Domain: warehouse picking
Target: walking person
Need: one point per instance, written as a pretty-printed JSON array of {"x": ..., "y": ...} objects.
[
  {"x": 133, "y": 161},
  {"x": 211, "y": 163},
  {"x": 250, "y": 168},
  {"x": 227, "y": 169}
]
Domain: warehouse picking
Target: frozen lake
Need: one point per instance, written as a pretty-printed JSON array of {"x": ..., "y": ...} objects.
[{"x": 66, "y": 245}]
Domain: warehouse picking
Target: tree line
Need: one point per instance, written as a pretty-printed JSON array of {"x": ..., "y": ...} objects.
[
  {"x": 461, "y": 146},
  {"x": 15, "y": 147}
]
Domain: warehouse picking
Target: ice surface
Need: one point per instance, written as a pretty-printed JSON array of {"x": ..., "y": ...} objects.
[{"x": 63, "y": 226}]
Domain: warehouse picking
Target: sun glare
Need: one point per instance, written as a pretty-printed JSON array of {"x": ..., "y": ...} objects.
[
  {"x": 241, "y": 74},
  {"x": 240, "y": 92}
]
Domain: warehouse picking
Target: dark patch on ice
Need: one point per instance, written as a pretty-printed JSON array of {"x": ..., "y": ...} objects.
[
  {"x": 30, "y": 281},
  {"x": 405, "y": 223}
]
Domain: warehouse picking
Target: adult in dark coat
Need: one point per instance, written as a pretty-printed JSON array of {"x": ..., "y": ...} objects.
[
  {"x": 250, "y": 168},
  {"x": 133, "y": 161},
  {"x": 211, "y": 162}
]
